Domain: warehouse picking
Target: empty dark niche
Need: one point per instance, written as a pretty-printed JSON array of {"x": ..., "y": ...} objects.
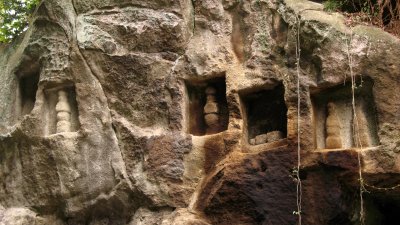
[
  {"x": 334, "y": 117},
  {"x": 61, "y": 114},
  {"x": 28, "y": 86},
  {"x": 382, "y": 210},
  {"x": 265, "y": 115},
  {"x": 197, "y": 100}
]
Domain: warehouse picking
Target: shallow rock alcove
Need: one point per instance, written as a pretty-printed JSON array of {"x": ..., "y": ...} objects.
[
  {"x": 335, "y": 124},
  {"x": 264, "y": 115},
  {"x": 207, "y": 98},
  {"x": 61, "y": 111},
  {"x": 26, "y": 93}
]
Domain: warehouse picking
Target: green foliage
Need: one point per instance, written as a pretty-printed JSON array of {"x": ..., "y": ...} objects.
[
  {"x": 14, "y": 15},
  {"x": 383, "y": 13},
  {"x": 364, "y": 6},
  {"x": 333, "y": 5}
]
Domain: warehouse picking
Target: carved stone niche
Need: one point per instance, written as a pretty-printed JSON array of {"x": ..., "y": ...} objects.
[
  {"x": 206, "y": 106},
  {"x": 26, "y": 92},
  {"x": 336, "y": 124},
  {"x": 61, "y": 114},
  {"x": 265, "y": 115}
]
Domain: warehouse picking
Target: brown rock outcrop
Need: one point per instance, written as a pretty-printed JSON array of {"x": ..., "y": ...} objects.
[{"x": 106, "y": 117}]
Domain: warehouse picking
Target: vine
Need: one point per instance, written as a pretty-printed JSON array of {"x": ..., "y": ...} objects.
[
  {"x": 356, "y": 131},
  {"x": 297, "y": 171},
  {"x": 356, "y": 134},
  {"x": 356, "y": 127}
]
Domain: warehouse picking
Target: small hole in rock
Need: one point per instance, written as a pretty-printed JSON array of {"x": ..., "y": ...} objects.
[
  {"x": 265, "y": 115},
  {"x": 207, "y": 106},
  {"x": 28, "y": 86}
]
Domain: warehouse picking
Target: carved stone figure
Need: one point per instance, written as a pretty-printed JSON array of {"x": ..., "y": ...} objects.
[
  {"x": 261, "y": 139},
  {"x": 266, "y": 138},
  {"x": 333, "y": 135},
  {"x": 211, "y": 110},
  {"x": 274, "y": 136},
  {"x": 63, "y": 110}
]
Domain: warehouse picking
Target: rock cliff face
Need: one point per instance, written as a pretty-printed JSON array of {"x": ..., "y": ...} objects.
[{"x": 195, "y": 112}]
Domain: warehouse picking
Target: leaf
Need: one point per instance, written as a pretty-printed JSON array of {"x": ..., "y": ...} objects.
[{"x": 14, "y": 15}]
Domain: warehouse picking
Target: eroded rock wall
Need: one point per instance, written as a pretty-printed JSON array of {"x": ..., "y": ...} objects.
[{"x": 127, "y": 81}]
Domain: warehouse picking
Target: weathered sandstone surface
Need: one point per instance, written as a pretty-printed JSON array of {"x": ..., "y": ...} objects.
[{"x": 189, "y": 112}]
